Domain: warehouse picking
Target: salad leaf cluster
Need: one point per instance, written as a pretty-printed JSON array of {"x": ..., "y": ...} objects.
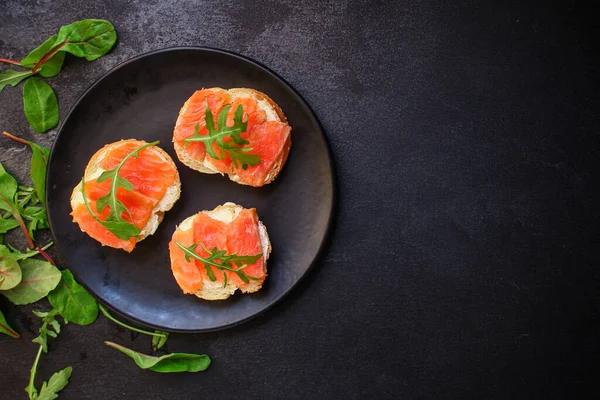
[{"x": 89, "y": 39}]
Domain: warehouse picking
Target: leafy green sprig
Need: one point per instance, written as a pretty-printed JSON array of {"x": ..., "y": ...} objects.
[
  {"x": 239, "y": 155},
  {"x": 173, "y": 362},
  {"x": 222, "y": 261},
  {"x": 115, "y": 221},
  {"x": 89, "y": 38},
  {"x": 50, "y": 328},
  {"x": 21, "y": 202}
]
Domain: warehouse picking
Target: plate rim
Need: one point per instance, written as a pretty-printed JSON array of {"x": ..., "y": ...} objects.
[{"x": 325, "y": 242}]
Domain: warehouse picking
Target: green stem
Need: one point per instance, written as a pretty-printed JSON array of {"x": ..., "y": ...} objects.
[
  {"x": 30, "y": 389},
  {"x": 46, "y": 247},
  {"x": 124, "y": 325}
]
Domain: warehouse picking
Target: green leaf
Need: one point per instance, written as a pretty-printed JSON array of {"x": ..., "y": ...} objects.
[
  {"x": 239, "y": 155},
  {"x": 221, "y": 261},
  {"x": 40, "y": 105},
  {"x": 12, "y": 78},
  {"x": 52, "y": 65},
  {"x": 56, "y": 383},
  {"x": 8, "y": 190},
  {"x": 115, "y": 221},
  {"x": 159, "y": 341},
  {"x": 10, "y": 271},
  {"x": 174, "y": 362},
  {"x": 39, "y": 278},
  {"x": 26, "y": 195},
  {"x": 5, "y": 328},
  {"x": 37, "y": 218},
  {"x": 89, "y": 38},
  {"x": 7, "y": 224},
  {"x": 39, "y": 165},
  {"x": 14, "y": 255},
  {"x": 49, "y": 322},
  {"x": 10, "y": 274},
  {"x": 72, "y": 301}
]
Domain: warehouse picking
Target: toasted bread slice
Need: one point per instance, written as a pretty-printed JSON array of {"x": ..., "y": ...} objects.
[
  {"x": 273, "y": 114},
  {"x": 93, "y": 170},
  {"x": 192, "y": 280}
]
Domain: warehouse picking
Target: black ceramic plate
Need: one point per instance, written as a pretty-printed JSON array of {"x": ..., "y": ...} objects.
[{"x": 141, "y": 99}]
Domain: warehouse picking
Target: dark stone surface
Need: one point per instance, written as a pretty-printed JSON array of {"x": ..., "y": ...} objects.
[{"x": 463, "y": 262}]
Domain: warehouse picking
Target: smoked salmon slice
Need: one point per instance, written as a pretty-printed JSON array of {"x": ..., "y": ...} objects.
[
  {"x": 150, "y": 175},
  {"x": 240, "y": 236},
  {"x": 267, "y": 132}
]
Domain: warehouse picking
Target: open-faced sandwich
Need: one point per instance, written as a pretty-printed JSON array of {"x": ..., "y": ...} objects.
[
  {"x": 214, "y": 253},
  {"x": 126, "y": 189},
  {"x": 238, "y": 132}
]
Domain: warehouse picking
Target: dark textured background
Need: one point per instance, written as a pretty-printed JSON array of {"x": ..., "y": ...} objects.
[{"x": 462, "y": 263}]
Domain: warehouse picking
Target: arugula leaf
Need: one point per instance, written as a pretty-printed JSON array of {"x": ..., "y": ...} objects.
[
  {"x": 7, "y": 224},
  {"x": 6, "y": 329},
  {"x": 38, "y": 279},
  {"x": 40, "y": 105},
  {"x": 159, "y": 341},
  {"x": 72, "y": 301},
  {"x": 25, "y": 195},
  {"x": 239, "y": 155},
  {"x": 50, "y": 327},
  {"x": 115, "y": 222},
  {"x": 15, "y": 255},
  {"x": 174, "y": 362},
  {"x": 39, "y": 165},
  {"x": 57, "y": 382},
  {"x": 226, "y": 261},
  {"x": 8, "y": 191},
  {"x": 52, "y": 65},
  {"x": 11, "y": 77},
  {"x": 37, "y": 217}
]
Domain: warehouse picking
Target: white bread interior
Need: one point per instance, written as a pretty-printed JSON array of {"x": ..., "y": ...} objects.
[
  {"x": 273, "y": 113},
  {"x": 214, "y": 290},
  {"x": 94, "y": 170}
]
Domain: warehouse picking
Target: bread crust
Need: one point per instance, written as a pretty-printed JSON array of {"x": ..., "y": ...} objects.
[
  {"x": 273, "y": 112},
  {"x": 215, "y": 290},
  {"x": 93, "y": 170}
]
